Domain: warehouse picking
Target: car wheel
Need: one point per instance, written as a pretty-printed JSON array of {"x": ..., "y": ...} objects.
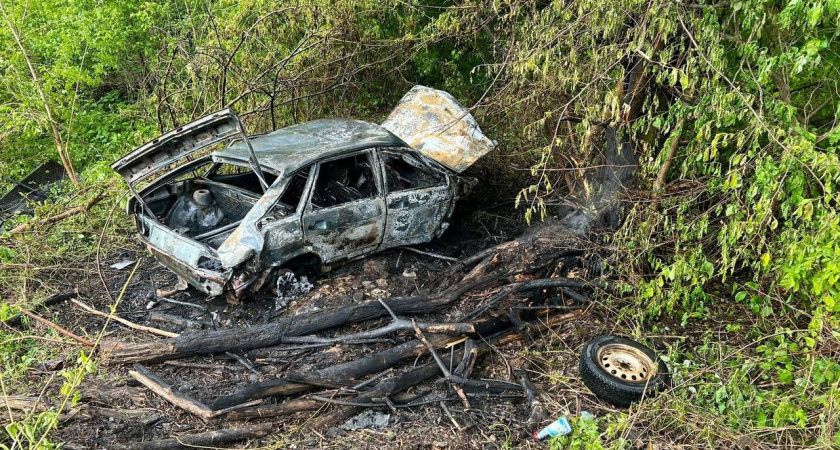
[
  {"x": 305, "y": 266},
  {"x": 620, "y": 371}
]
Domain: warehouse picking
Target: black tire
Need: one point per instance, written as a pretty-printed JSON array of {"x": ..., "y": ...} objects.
[{"x": 607, "y": 383}]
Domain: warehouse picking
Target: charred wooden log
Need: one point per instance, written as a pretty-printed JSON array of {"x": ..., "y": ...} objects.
[
  {"x": 266, "y": 335},
  {"x": 341, "y": 375},
  {"x": 281, "y": 409},
  {"x": 331, "y": 376},
  {"x": 163, "y": 389},
  {"x": 207, "y": 439},
  {"x": 387, "y": 387},
  {"x": 423, "y": 373}
]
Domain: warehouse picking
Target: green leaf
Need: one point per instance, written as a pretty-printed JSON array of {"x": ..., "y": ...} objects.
[{"x": 785, "y": 376}]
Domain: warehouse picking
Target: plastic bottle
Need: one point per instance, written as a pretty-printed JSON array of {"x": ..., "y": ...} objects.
[{"x": 559, "y": 427}]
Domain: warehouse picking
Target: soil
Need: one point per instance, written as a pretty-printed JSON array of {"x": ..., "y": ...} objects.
[{"x": 550, "y": 360}]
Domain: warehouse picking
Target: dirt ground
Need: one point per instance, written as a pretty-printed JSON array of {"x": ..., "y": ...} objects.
[{"x": 550, "y": 359}]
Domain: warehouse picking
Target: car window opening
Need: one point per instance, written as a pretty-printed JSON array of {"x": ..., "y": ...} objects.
[
  {"x": 239, "y": 176},
  {"x": 293, "y": 194},
  {"x": 404, "y": 171},
  {"x": 344, "y": 180}
]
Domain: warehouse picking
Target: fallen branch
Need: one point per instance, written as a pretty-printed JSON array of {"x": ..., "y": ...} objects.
[
  {"x": 575, "y": 295},
  {"x": 442, "y": 366},
  {"x": 465, "y": 367},
  {"x": 282, "y": 409},
  {"x": 245, "y": 363},
  {"x": 145, "y": 377},
  {"x": 146, "y": 415},
  {"x": 347, "y": 403},
  {"x": 71, "y": 335},
  {"x": 370, "y": 380},
  {"x": 49, "y": 301},
  {"x": 433, "y": 255},
  {"x": 170, "y": 394},
  {"x": 212, "y": 439},
  {"x": 58, "y": 217},
  {"x": 127, "y": 323},
  {"x": 175, "y": 320},
  {"x": 396, "y": 324},
  {"x": 512, "y": 288},
  {"x": 195, "y": 365},
  {"x": 545, "y": 308},
  {"x": 401, "y": 382},
  {"x": 178, "y": 302},
  {"x": 21, "y": 403},
  {"x": 450, "y": 416}
]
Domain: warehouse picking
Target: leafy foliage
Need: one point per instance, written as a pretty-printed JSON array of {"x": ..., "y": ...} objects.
[{"x": 746, "y": 92}]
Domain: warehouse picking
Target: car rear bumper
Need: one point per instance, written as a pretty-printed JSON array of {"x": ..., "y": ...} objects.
[{"x": 209, "y": 281}]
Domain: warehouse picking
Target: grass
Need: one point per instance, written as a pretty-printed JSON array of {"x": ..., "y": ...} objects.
[
  {"x": 33, "y": 431},
  {"x": 35, "y": 265}
]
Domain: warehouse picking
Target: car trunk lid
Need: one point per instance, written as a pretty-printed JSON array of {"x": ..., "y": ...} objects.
[{"x": 159, "y": 155}]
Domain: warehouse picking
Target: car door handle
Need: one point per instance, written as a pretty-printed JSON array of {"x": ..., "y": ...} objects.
[
  {"x": 399, "y": 204},
  {"x": 323, "y": 225}
]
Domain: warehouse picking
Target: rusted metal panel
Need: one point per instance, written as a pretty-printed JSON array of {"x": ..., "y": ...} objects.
[
  {"x": 415, "y": 215},
  {"x": 345, "y": 231},
  {"x": 184, "y": 257},
  {"x": 248, "y": 240},
  {"x": 284, "y": 240},
  {"x": 434, "y": 123}
]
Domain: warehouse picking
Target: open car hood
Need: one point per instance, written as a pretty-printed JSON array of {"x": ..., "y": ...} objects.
[{"x": 435, "y": 124}]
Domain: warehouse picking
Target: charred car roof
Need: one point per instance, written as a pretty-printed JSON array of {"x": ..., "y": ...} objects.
[{"x": 288, "y": 149}]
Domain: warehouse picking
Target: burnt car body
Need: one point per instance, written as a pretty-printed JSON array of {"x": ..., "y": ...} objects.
[{"x": 225, "y": 211}]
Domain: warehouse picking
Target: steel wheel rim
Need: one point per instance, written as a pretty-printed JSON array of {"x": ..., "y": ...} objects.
[{"x": 626, "y": 363}]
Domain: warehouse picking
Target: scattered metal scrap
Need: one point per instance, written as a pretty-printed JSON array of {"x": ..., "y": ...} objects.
[{"x": 33, "y": 188}]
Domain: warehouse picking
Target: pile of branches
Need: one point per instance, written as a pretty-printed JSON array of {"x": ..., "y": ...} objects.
[{"x": 526, "y": 285}]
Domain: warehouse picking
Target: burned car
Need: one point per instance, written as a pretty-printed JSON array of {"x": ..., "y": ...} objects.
[{"x": 227, "y": 212}]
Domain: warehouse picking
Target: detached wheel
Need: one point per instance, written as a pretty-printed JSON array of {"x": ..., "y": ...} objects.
[{"x": 620, "y": 371}]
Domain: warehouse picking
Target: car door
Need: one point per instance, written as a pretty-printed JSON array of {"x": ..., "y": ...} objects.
[
  {"x": 282, "y": 224},
  {"x": 418, "y": 197},
  {"x": 345, "y": 216}
]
